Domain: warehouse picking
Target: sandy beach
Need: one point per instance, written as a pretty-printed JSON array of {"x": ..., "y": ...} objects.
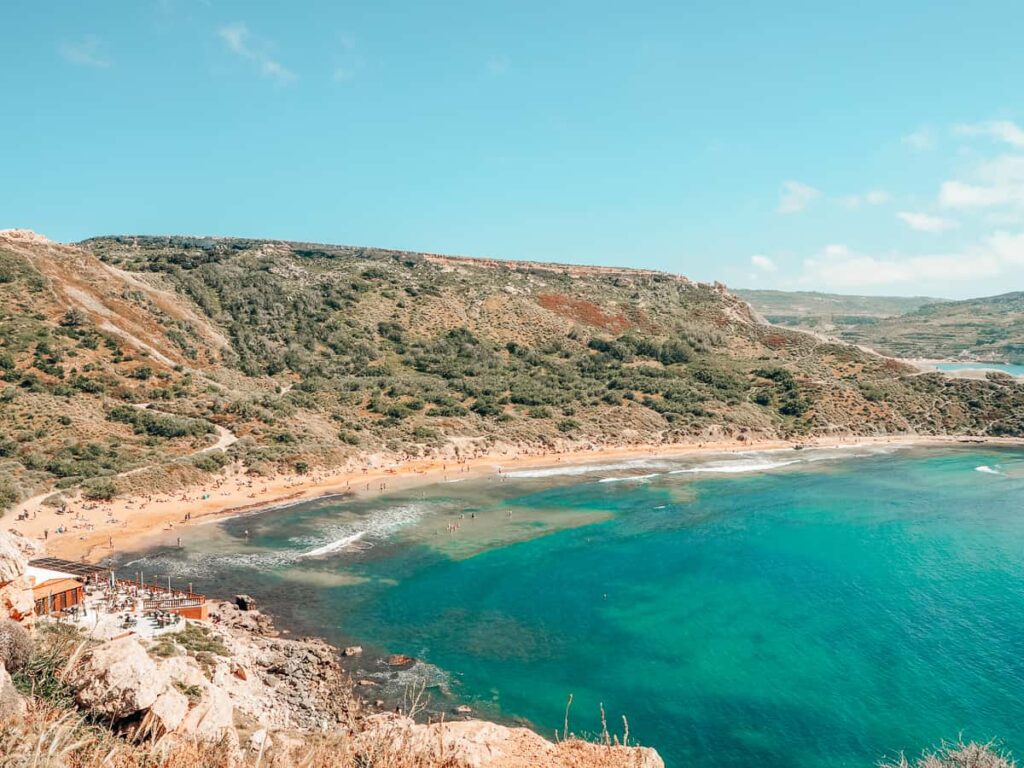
[{"x": 90, "y": 531}]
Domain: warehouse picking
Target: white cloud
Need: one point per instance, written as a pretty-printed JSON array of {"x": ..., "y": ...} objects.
[
  {"x": 763, "y": 263},
  {"x": 924, "y": 222},
  {"x": 998, "y": 181},
  {"x": 795, "y": 196},
  {"x": 871, "y": 197},
  {"x": 1005, "y": 169},
  {"x": 86, "y": 51},
  {"x": 1001, "y": 130},
  {"x": 959, "y": 194},
  {"x": 920, "y": 140},
  {"x": 838, "y": 267},
  {"x": 1007, "y": 248},
  {"x": 239, "y": 41}
]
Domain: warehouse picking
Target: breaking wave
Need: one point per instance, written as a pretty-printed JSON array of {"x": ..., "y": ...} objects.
[
  {"x": 579, "y": 469},
  {"x": 630, "y": 478},
  {"x": 379, "y": 525},
  {"x": 987, "y": 470},
  {"x": 729, "y": 468},
  {"x": 334, "y": 546}
]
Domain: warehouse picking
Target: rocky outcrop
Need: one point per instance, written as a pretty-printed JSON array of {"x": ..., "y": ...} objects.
[
  {"x": 12, "y": 562},
  {"x": 212, "y": 718},
  {"x": 480, "y": 744},
  {"x": 12, "y": 704},
  {"x": 166, "y": 713},
  {"x": 260, "y": 682},
  {"x": 276, "y": 682},
  {"x": 268, "y": 692},
  {"x": 245, "y": 602},
  {"x": 121, "y": 682},
  {"x": 15, "y": 588},
  {"x": 118, "y": 679},
  {"x": 16, "y": 601}
]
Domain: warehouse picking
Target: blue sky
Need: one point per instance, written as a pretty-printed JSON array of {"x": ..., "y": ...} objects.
[{"x": 856, "y": 147}]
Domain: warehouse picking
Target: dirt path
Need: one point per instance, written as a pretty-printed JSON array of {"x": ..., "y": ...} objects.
[{"x": 225, "y": 439}]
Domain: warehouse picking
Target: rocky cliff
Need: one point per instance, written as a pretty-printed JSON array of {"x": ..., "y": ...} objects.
[{"x": 234, "y": 691}]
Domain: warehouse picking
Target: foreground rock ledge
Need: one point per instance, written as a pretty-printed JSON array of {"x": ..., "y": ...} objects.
[
  {"x": 271, "y": 691},
  {"x": 479, "y": 744}
]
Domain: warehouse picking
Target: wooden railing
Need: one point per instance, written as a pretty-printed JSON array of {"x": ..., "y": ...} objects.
[
  {"x": 164, "y": 599},
  {"x": 171, "y": 603}
]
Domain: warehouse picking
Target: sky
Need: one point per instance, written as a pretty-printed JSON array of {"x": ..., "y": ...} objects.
[{"x": 869, "y": 147}]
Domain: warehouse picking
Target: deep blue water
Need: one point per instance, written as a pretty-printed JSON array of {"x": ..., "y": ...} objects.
[{"x": 745, "y": 611}]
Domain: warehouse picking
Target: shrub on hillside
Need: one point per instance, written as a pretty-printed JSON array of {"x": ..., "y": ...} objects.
[
  {"x": 9, "y": 494},
  {"x": 100, "y": 489},
  {"x": 15, "y": 645}
]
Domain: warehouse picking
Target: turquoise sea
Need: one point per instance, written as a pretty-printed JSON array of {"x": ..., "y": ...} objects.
[{"x": 795, "y": 608}]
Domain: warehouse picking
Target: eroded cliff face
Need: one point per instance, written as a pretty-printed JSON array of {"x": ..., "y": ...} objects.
[{"x": 16, "y": 601}]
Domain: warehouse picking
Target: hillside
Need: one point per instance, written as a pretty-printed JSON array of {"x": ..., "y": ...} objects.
[
  {"x": 321, "y": 355},
  {"x": 811, "y": 309},
  {"x": 990, "y": 328}
]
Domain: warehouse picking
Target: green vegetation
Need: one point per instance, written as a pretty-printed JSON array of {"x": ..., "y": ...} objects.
[
  {"x": 990, "y": 328},
  {"x": 315, "y": 354},
  {"x": 40, "y": 674},
  {"x": 789, "y": 307},
  {"x": 100, "y": 489},
  {"x": 158, "y": 424},
  {"x": 195, "y": 640}
]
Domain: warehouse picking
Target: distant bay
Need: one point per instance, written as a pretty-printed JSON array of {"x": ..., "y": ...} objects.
[{"x": 1012, "y": 370}]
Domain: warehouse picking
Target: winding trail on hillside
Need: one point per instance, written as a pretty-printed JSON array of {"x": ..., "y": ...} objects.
[{"x": 225, "y": 439}]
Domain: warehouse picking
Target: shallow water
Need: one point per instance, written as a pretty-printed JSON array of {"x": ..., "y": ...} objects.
[
  {"x": 1013, "y": 370},
  {"x": 740, "y": 610}
]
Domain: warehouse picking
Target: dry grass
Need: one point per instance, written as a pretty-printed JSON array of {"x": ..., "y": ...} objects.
[
  {"x": 54, "y": 737},
  {"x": 957, "y": 755}
]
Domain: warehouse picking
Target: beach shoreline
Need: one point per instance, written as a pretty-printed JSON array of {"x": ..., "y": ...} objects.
[{"x": 95, "y": 530}]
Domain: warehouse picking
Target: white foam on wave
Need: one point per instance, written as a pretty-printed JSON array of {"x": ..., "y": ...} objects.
[
  {"x": 334, "y": 546},
  {"x": 987, "y": 470},
  {"x": 729, "y": 468},
  {"x": 629, "y": 478},
  {"x": 579, "y": 469},
  {"x": 378, "y": 525},
  {"x": 205, "y": 564}
]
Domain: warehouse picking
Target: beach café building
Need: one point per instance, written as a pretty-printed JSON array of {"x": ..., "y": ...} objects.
[{"x": 58, "y": 585}]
